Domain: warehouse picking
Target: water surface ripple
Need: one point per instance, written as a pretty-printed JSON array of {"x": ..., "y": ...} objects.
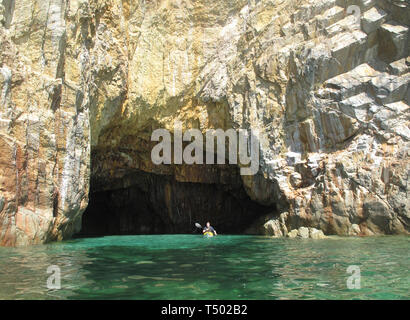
[{"x": 223, "y": 267}]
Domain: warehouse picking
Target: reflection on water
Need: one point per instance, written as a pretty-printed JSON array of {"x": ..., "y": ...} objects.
[{"x": 224, "y": 267}]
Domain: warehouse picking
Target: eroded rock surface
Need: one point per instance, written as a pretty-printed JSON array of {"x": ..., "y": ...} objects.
[
  {"x": 84, "y": 83},
  {"x": 306, "y": 233},
  {"x": 44, "y": 123}
]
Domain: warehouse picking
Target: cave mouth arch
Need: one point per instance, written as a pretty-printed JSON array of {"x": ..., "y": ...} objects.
[{"x": 133, "y": 201}]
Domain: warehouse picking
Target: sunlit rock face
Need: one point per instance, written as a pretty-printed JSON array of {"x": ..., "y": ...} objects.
[
  {"x": 84, "y": 83},
  {"x": 44, "y": 122}
]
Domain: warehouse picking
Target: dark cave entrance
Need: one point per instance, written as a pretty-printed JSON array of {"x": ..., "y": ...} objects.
[{"x": 147, "y": 203}]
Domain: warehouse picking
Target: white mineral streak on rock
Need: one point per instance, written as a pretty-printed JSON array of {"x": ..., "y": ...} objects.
[
  {"x": 68, "y": 168},
  {"x": 6, "y": 73},
  {"x": 56, "y": 22}
]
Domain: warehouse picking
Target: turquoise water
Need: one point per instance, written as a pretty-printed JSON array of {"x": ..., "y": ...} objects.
[{"x": 223, "y": 267}]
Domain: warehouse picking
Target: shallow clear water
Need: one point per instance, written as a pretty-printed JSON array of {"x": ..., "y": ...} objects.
[{"x": 223, "y": 267}]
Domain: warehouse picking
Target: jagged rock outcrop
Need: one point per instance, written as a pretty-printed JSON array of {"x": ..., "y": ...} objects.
[
  {"x": 84, "y": 83},
  {"x": 306, "y": 233}
]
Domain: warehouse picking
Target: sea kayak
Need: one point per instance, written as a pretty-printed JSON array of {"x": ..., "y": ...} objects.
[{"x": 208, "y": 234}]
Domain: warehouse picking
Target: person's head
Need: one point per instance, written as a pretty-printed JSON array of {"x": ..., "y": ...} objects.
[{"x": 208, "y": 224}]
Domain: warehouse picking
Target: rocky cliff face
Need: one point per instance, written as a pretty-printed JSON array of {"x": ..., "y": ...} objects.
[{"x": 84, "y": 83}]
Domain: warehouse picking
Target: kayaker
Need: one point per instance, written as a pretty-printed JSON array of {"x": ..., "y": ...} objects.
[{"x": 208, "y": 228}]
